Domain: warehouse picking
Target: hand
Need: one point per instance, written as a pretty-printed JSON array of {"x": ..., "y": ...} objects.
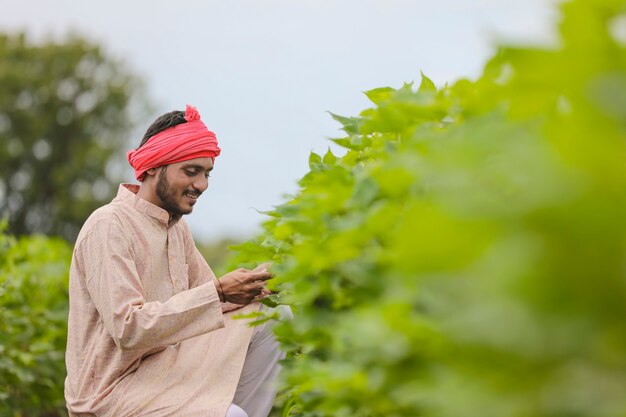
[
  {"x": 241, "y": 286},
  {"x": 265, "y": 291},
  {"x": 264, "y": 265}
]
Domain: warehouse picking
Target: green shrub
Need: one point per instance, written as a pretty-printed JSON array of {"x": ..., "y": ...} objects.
[
  {"x": 33, "y": 325},
  {"x": 467, "y": 255}
]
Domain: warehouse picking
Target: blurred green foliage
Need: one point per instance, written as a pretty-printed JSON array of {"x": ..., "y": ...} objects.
[
  {"x": 467, "y": 255},
  {"x": 217, "y": 254},
  {"x": 64, "y": 113},
  {"x": 33, "y": 325}
]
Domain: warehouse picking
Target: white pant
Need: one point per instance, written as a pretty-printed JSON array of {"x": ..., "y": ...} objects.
[
  {"x": 235, "y": 411},
  {"x": 256, "y": 389}
]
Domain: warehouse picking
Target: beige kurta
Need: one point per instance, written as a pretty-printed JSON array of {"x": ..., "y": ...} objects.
[{"x": 147, "y": 335}]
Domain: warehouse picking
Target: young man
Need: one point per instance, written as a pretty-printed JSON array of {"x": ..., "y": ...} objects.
[{"x": 150, "y": 331}]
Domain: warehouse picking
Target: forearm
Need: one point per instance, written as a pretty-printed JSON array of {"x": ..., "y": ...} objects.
[{"x": 153, "y": 324}]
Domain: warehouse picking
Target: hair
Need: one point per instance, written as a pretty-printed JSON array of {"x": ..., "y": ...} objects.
[{"x": 163, "y": 122}]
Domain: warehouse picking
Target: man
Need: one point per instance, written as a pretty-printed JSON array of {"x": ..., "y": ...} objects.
[{"x": 150, "y": 329}]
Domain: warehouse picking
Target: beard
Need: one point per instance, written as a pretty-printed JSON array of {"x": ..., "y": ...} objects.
[{"x": 168, "y": 196}]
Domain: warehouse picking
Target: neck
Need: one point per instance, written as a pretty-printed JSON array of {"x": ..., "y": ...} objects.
[{"x": 146, "y": 192}]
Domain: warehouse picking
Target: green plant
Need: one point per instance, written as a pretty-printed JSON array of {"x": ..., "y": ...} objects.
[
  {"x": 33, "y": 325},
  {"x": 466, "y": 256}
]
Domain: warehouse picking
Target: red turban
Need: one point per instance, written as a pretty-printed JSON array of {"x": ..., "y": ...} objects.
[{"x": 176, "y": 144}]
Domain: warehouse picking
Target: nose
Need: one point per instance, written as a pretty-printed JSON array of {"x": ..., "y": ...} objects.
[{"x": 201, "y": 183}]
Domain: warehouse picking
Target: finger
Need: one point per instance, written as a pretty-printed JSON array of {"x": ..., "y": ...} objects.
[
  {"x": 261, "y": 275},
  {"x": 264, "y": 293},
  {"x": 263, "y": 266},
  {"x": 254, "y": 292}
]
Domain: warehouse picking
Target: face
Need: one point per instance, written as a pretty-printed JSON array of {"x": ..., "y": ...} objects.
[{"x": 179, "y": 185}]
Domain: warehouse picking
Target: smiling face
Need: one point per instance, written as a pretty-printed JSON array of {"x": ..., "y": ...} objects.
[{"x": 176, "y": 187}]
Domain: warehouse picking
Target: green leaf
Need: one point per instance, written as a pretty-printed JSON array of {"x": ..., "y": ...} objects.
[
  {"x": 378, "y": 95},
  {"x": 427, "y": 84},
  {"x": 406, "y": 88},
  {"x": 329, "y": 158},
  {"x": 365, "y": 191},
  {"x": 272, "y": 300},
  {"x": 315, "y": 161},
  {"x": 259, "y": 317},
  {"x": 357, "y": 143},
  {"x": 350, "y": 124}
]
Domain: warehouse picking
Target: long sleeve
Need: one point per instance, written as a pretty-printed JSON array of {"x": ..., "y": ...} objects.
[
  {"x": 116, "y": 289},
  {"x": 200, "y": 272}
]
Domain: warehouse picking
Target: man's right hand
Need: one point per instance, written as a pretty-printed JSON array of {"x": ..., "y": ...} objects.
[{"x": 242, "y": 285}]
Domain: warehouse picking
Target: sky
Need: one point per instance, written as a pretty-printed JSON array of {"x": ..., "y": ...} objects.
[{"x": 265, "y": 73}]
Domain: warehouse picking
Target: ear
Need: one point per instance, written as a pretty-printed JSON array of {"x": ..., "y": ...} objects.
[{"x": 151, "y": 172}]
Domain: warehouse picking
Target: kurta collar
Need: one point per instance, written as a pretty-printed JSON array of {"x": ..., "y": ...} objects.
[{"x": 127, "y": 193}]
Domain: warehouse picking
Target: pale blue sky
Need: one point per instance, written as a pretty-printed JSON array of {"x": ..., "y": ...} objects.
[{"x": 263, "y": 73}]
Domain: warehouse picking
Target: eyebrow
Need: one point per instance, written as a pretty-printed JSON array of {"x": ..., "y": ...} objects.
[{"x": 196, "y": 166}]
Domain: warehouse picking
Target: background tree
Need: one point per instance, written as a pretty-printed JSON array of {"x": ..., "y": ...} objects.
[{"x": 64, "y": 111}]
